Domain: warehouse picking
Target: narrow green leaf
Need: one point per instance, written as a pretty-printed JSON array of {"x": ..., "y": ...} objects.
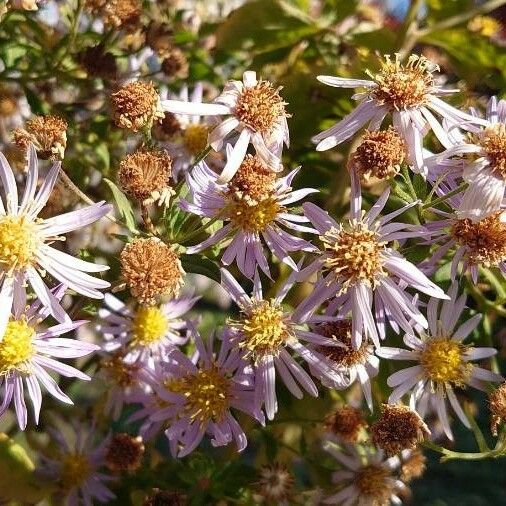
[{"x": 123, "y": 205}]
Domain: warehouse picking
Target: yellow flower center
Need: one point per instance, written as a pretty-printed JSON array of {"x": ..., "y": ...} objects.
[
  {"x": 252, "y": 216},
  {"x": 443, "y": 361},
  {"x": 493, "y": 142},
  {"x": 264, "y": 329},
  {"x": 354, "y": 254},
  {"x": 76, "y": 469},
  {"x": 260, "y": 107},
  {"x": 404, "y": 86},
  {"x": 195, "y": 138},
  {"x": 18, "y": 242},
  {"x": 376, "y": 484},
  {"x": 485, "y": 25},
  {"x": 16, "y": 348},
  {"x": 148, "y": 326}
]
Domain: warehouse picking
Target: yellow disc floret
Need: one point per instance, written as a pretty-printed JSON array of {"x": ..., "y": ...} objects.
[
  {"x": 75, "y": 470},
  {"x": 18, "y": 243},
  {"x": 195, "y": 138},
  {"x": 148, "y": 326},
  {"x": 16, "y": 348}
]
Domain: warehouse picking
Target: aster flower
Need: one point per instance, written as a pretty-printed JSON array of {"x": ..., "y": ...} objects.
[
  {"x": 77, "y": 468},
  {"x": 27, "y": 354},
  {"x": 367, "y": 477},
  {"x": 443, "y": 361},
  {"x": 25, "y": 240},
  {"x": 406, "y": 91},
  {"x": 254, "y": 206},
  {"x": 484, "y": 164},
  {"x": 359, "y": 269},
  {"x": 200, "y": 397},
  {"x": 144, "y": 331},
  {"x": 255, "y": 110},
  {"x": 265, "y": 332}
]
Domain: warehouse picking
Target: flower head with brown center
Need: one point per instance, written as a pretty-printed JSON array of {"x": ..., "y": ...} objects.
[
  {"x": 375, "y": 484},
  {"x": 47, "y": 133},
  {"x": 493, "y": 143},
  {"x": 497, "y": 405},
  {"x": 150, "y": 268},
  {"x": 252, "y": 202},
  {"x": 275, "y": 483},
  {"x": 260, "y": 107},
  {"x": 145, "y": 175},
  {"x": 354, "y": 254},
  {"x": 136, "y": 106},
  {"x": 120, "y": 372},
  {"x": 403, "y": 86},
  {"x": 380, "y": 154},
  {"x": 175, "y": 63},
  {"x": 167, "y": 128},
  {"x": 124, "y": 453},
  {"x": 485, "y": 240},
  {"x": 117, "y": 13},
  {"x": 346, "y": 422}
]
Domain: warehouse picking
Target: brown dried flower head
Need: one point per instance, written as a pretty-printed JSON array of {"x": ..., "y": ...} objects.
[
  {"x": 166, "y": 498},
  {"x": 136, "y": 106},
  {"x": 346, "y": 422},
  {"x": 47, "y": 133},
  {"x": 380, "y": 154},
  {"x": 413, "y": 466},
  {"x": 497, "y": 404},
  {"x": 398, "y": 428},
  {"x": 150, "y": 268},
  {"x": 145, "y": 175},
  {"x": 175, "y": 63},
  {"x": 117, "y": 13},
  {"x": 124, "y": 453},
  {"x": 159, "y": 37},
  {"x": 275, "y": 483},
  {"x": 166, "y": 128},
  {"x": 98, "y": 63}
]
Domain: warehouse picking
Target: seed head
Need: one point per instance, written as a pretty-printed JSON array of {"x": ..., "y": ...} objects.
[
  {"x": 167, "y": 128},
  {"x": 346, "y": 422},
  {"x": 98, "y": 63},
  {"x": 159, "y": 37},
  {"x": 275, "y": 483},
  {"x": 497, "y": 404},
  {"x": 124, "y": 453},
  {"x": 175, "y": 63}
]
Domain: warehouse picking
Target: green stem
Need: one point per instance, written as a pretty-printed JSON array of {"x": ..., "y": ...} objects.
[
  {"x": 197, "y": 231},
  {"x": 444, "y": 198},
  {"x": 498, "y": 451},
  {"x": 406, "y": 38}
]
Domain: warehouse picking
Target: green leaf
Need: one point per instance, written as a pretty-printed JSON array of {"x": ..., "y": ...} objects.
[
  {"x": 123, "y": 205},
  {"x": 197, "y": 264}
]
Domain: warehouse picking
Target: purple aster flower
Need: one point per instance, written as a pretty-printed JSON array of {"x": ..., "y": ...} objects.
[
  {"x": 255, "y": 110},
  {"x": 144, "y": 332},
  {"x": 77, "y": 468},
  {"x": 443, "y": 362},
  {"x": 27, "y": 354},
  {"x": 25, "y": 239},
  {"x": 254, "y": 207},
  {"x": 406, "y": 91},
  {"x": 265, "y": 332},
  {"x": 201, "y": 394},
  {"x": 359, "y": 269},
  {"x": 484, "y": 165}
]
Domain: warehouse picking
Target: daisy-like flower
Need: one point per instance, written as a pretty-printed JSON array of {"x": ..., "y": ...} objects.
[
  {"x": 27, "y": 354},
  {"x": 407, "y": 92},
  {"x": 78, "y": 468},
  {"x": 254, "y": 208},
  {"x": 201, "y": 395},
  {"x": 254, "y": 109},
  {"x": 264, "y": 333},
  {"x": 361, "y": 269},
  {"x": 484, "y": 165},
  {"x": 145, "y": 332},
  {"x": 367, "y": 477},
  {"x": 443, "y": 361},
  {"x": 25, "y": 250},
  {"x": 352, "y": 364}
]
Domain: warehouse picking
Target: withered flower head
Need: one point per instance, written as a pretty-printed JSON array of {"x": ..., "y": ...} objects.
[
  {"x": 117, "y": 13},
  {"x": 380, "y": 154},
  {"x": 124, "y": 453},
  {"x": 136, "y": 106},
  {"x": 398, "y": 428},
  {"x": 159, "y": 37},
  {"x": 166, "y": 498},
  {"x": 413, "y": 466},
  {"x": 346, "y": 422},
  {"x": 98, "y": 63},
  {"x": 175, "y": 63},
  {"x": 150, "y": 268},
  {"x": 275, "y": 483},
  {"x": 47, "y": 133},
  {"x": 145, "y": 175},
  {"x": 167, "y": 128},
  {"x": 497, "y": 404}
]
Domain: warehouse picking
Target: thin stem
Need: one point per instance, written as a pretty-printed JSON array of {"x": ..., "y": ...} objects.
[
  {"x": 444, "y": 198},
  {"x": 197, "y": 231},
  {"x": 148, "y": 223},
  {"x": 407, "y": 35}
]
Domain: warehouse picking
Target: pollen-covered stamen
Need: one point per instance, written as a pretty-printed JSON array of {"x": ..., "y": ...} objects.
[
  {"x": 207, "y": 394},
  {"x": 264, "y": 329},
  {"x": 76, "y": 468},
  {"x": 345, "y": 355},
  {"x": 375, "y": 484},
  {"x": 485, "y": 240},
  {"x": 404, "y": 86},
  {"x": 16, "y": 348},
  {"x": 380, "y": 154},
  {"x": 251, "y": 198},
  {"x": 443, "y": 361},
  {"x": 19, "y": 242},
  {"x": 493, "y": 143},
  {"x": 260, "y": 107},
  {"x": 354, "y": 254},
  {"x": 149, "y": 325},
  {"x": 195, "y": 138},
  {"x": 346, "y": 422}
]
